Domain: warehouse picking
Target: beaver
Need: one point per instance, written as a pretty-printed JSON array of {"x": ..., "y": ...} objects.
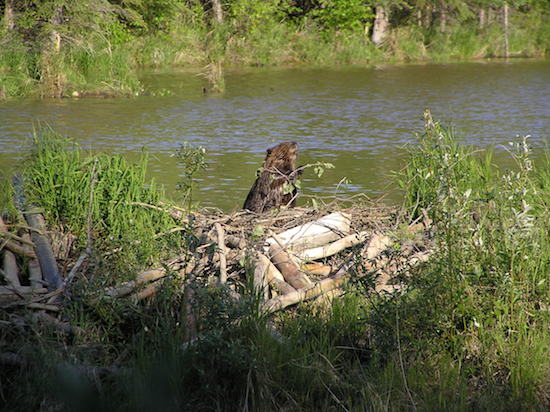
[{"x": 268, "y": 191}]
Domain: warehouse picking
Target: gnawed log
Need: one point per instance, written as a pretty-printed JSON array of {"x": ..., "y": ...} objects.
[
  {"x": 377, "y": 243},
  {"x": 316, "y": 233},
  {"x": 266, "y": 269},
  {"x": 43, "y": 251},
  {"x": 147, "y": 276},
  {"x": 333, "y": 248},
  {"x": 148, "y": 291},
  {"x": 235, "y": 242},
  {"x": 288, "y": 268}
]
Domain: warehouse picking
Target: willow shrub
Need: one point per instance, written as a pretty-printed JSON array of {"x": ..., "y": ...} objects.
[{"x": 482, "y": 300}]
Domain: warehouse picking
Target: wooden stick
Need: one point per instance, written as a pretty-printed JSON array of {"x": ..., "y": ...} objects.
[
  {"x": 62, "y": 327},
  {"x": 221, "y": 253},
  {"x": 316, "y": 269},
  {"x": 334, "y": 247},
  {"x": 148, "y": 291},
  {"x": 11, "y": 236},
  {"x": 10, "y": 270}
]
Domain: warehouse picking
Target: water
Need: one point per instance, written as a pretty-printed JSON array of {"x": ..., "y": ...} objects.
[{"x": 359, "y": 119}]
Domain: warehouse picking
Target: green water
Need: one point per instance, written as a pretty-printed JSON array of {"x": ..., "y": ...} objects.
[{"x": 359, "y": 119}]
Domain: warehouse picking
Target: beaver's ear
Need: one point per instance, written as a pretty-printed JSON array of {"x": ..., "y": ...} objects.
[{"x": 269, "y": 151}]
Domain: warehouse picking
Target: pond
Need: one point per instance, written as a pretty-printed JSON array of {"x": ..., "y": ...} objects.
[{"x": 359, "y": 119}]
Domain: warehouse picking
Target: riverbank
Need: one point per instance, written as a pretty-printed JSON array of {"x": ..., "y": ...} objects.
[
  {"x": 464, "y": 327},
  {"x": 105, "y": 60}
]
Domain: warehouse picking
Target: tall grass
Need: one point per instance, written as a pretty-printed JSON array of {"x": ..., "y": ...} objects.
[{"x": 104, "y": 194}]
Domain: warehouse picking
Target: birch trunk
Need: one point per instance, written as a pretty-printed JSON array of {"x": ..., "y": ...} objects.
[
  {"x": 505, "y": 21},
  {"x": 217, "y": 8},
  {"x": 443, "y": 17},
  {"x": 482, "y": 19},
  {"x": 9, "y": 16},
  {"x": 380, "y": 28}
]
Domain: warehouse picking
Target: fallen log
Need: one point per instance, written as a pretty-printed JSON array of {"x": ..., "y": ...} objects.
[
  {"x": 316, "y": 233},
  {"x": 43, "y": 250},
  {"x": 35, "y": 274}
]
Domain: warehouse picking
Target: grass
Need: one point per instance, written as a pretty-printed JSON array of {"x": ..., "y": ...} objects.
[
  {"x": 103, "y": 194},
  {"x": 472, "y": 331}
]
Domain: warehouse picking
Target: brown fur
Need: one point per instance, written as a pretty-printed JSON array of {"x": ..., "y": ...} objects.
[{"x": 279, "y": 168}]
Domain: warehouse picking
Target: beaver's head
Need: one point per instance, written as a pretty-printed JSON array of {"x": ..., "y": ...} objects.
[{"x": 282, "y": 157}]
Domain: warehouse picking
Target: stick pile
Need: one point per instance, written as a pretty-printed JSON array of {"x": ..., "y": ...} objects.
[{"x": 292, "y": 256}]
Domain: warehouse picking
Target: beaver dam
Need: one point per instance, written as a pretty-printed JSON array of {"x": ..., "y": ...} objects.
[{"x": 112, "y": 295}]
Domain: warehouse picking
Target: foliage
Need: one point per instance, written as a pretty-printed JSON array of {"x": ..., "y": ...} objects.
[
  {"x": 191, "y": 160},
  {"x": 102, "y": 44}
]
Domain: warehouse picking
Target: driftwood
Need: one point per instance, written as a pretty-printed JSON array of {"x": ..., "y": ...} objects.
[{"x": 43, "y": 251}]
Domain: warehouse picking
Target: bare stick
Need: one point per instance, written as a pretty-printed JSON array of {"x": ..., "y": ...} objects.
[
  {"x": 221, "y": 253},
  {"x": 10, "y": 270}
]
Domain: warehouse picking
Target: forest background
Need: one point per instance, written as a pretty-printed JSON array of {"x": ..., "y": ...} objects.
[{"x": 56, "y": 48}]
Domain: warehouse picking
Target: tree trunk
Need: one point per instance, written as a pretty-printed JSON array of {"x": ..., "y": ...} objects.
[
  {"x": 55, "y": 36},
  {"x": 380, "y": 28},
  {"x": 217, "y": 8},
  {"x": 427, "y": 17},
  {"x": 443, "y": 17},
  {"x": 482, "y": 21},
  {"x": 505, "y": 18},
  {"x": 9, "y": 15}
]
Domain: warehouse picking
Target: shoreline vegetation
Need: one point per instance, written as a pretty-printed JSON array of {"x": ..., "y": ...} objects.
[
  {"x": 58, "y": 48},
  {"x": 441, "y": 304}
]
